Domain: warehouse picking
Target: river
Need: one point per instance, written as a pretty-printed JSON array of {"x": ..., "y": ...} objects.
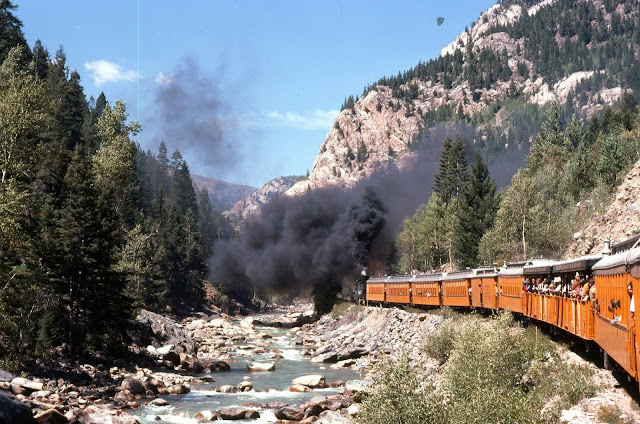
[{"x": 268, "y": 386}]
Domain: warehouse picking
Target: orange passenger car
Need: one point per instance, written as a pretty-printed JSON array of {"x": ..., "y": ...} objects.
[
  {"x": 614, "y": 329},
  {"x": 425, "y": 289},
  {"x": 533, "y": 303},
  {"x": 483, "y": 277},
  {"x": 375, "y": 289},
  {"x": 455, "y": 289},
  {"x": 398, "y": 289},
  {"x": 510, "y": 287},
  {"x": 575, "y": 315}
]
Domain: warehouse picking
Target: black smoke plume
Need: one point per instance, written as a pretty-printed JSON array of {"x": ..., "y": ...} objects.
[
  {"x": 190, "y": 112},
  {"x": 313, "y": 239},
  {"x": 318, "y": 238}
]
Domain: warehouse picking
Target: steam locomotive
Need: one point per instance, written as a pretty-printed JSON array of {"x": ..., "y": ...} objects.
[{"x": 607, "y": 319}]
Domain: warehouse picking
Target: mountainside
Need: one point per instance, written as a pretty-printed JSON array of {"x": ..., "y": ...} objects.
[
  {"x": 223, "y": 195},
  {"x": 253, "y": 202},
  {"x": 495, "y": 81},
  {"x": 620, "y": 219}
]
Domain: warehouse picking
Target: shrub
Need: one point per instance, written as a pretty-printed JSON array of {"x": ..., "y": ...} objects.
[{"x": 399, "y": 397}]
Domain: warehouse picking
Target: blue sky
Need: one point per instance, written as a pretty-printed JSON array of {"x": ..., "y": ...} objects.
[{"x": 247, "y": 90}]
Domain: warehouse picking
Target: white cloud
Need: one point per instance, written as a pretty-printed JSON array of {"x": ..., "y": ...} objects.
[
  {"x": 163, "y": 79},
  {"x": 102, "y": 72},
  {"x": 312, "y": 121}
]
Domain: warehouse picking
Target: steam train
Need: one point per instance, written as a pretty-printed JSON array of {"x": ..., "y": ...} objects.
[{"x": 606, "y": 319}]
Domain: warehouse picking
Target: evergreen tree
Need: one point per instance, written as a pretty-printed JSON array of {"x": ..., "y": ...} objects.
[
  {"x": 452, "y": 170},
  {"x": 476, "y": 212},
  {"x": 11, "y": 32}
]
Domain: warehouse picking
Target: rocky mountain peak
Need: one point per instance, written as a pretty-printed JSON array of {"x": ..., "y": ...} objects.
[{"x": 381, "y": 127}]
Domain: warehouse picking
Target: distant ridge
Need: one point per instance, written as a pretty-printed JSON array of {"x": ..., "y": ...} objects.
[{"x": 223, "y": 195}]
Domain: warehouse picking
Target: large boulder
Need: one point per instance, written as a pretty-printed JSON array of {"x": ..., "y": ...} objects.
[
  {"x": 51, "y": 416},
  {"x": 351, "y": 353},
  {"x": 332, "y": 417},
  {"x": 14, "y": 413},
  {"x": 178, "y": 389},
  {"x": 204, "y": 416},
  {"x": 28, "y": 385},
  {"x": 299, "y": 388},
  {"x": 210, "y": 365},
  {"x": 261, "y": 366},
  {"x": 133, "y": 385},
  {"x": 329, "y": 357},
  {"x": 311, "y": 380},
  {"x": 6, "y": 376},
  {"x": 227, "y": 388},
  {"x": 289, "y": 413},
  {"x": 156, "y": 330}
]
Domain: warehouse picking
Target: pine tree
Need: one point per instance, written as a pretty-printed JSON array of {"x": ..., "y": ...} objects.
[
  {"x": 452, "y": 170},
  {"x": 476, "y": 213},
  {"x": 11, "y": 32}
]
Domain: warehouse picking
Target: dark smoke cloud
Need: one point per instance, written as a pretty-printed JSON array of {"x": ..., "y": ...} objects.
[
  {"x": 190, "y": 115},
  {"x": 302, "y": 240},
  {"x": 327, "y": 234}
]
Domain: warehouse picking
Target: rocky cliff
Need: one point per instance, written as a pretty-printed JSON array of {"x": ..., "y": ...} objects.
[
  {"x": 619, "y": 220},
  {"x": 251, "y": 204},
  {"x": 387, "y": 122}
]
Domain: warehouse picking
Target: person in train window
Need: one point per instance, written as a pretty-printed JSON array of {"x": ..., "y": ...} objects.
[
  {"x": 525, "y": 285},
  {"x": 632, "y": 306},
  {"x": 575, "y": 285},
  {"x": 586, "y": 287},
  {"x": 539, "y": 285},
  {"x": 594, "y": 298}
]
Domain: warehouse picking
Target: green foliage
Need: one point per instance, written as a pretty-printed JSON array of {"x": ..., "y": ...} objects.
[
  {"x": 452, "y": 170},
  {"x": 476, "y": 213},
  {"x": 424, "y": 240},
  {"x": 400, "y": 397},
  {"x": 611, "y": 414},
  {"x": 495, "y": 371}
]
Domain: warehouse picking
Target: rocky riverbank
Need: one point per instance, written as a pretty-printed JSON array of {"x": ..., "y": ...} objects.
[
  {"x": 383, "y": 333},
  {"x": 170, "y": 359}
]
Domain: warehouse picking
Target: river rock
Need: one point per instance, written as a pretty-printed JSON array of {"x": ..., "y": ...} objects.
[
  {"x": 14, "y": 412},
  {"x": 289, "y": 413},
  {"x": 172, "y": 356},
  {"x": 332, "y": 417},
  {"x": 247, "y": 322},
  {"x": 204, "y": 416},
  {"x": 313, "y": 410},
  {"x": 132, "y": 385},
  {"x": 299, "y": 388},
  {"x": 344, "y": 364},
  {"x": 351, "y": 353},
  {"x": 178, "y": 389},
  {"x": 311, "y": 380},
  {"x": 159, "y": 402},
  {"x": 124, "y": 396},
  {"x": 6, "y": 376},
  {"x": 244, "y": 386},
  {"x": 107, "y": 414},
  {"x": 51, "y": 416},
  {"x": 210, "y": 365},
  {"x": 29, "y": 385},
  {"x": 358, "y": 385},
  {"x": 156, "y": 330},
  {"x": 197, "y": 324},
  {"x": 329, "y": 357},
  {"x": 218, "y": 323},
  {"x": 261, "y": 366},
  {"x": 236, "y": 414},
  {"x": 227, "y": 388},
  {"x": 353, "y": 409}
]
